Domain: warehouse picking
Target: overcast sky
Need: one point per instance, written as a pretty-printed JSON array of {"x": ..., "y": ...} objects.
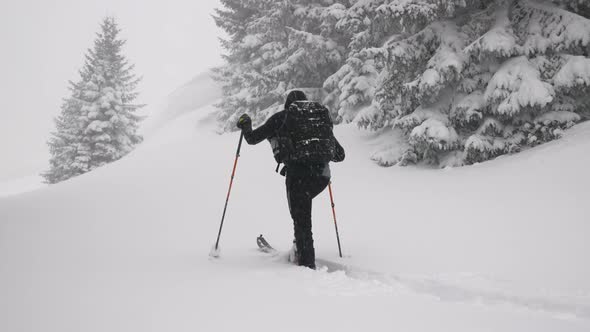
[{"x": 43, "y": 46}]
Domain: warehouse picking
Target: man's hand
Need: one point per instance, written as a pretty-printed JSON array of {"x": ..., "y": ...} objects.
[{"x": 244, "y": 121}]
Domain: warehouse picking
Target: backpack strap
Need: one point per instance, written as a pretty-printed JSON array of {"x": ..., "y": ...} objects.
[{"x": 277, "y": 133}]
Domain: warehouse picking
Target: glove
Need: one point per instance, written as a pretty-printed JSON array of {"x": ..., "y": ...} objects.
[{"x": 244, "y": 122}]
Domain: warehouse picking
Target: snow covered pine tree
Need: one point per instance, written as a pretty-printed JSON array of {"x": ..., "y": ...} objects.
[
  {"x": 468, "y": 80},
  {"x": 97, "y": 124},
  {"x": 273, "y": 47},
  {"x": 451, "y": 82},
  {"x": 352, "y": 88}
]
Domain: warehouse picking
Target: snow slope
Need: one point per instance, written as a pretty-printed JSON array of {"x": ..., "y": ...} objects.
[
  {"x": 201, "y": 91},
  {"x": 501, "y": 246},
  {"x": 20, "y": 185}
]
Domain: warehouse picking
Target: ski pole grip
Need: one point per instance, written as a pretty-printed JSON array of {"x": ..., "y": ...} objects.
[{"x": 240, "y": 143}]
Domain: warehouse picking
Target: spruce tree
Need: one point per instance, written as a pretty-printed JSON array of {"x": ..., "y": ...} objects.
[
  {"x": 97, "y": 124},
  {"x": 466, "y": 81},
  {"x": 273, "y": 47},
  {"x": 352, "y": 88},
  {"x": 453, "y": 82}
]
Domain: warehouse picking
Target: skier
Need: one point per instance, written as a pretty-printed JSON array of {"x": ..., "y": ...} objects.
[{"x": 305, "y": 150}]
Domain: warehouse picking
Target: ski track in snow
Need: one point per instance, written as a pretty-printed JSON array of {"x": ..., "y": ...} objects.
[
  {"x": 453, "y": 293},
  {"x": 338, "y": 279}
]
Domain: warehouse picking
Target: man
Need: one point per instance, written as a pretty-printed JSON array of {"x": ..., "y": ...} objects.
[{"x": 304, "y": 181}]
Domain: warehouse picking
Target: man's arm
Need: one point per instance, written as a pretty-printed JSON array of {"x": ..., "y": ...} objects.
[{"x": 267, "y": 130}]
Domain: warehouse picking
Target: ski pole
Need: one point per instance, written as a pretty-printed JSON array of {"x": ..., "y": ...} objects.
[
  {"x": 334, "y": 214},
  {"x": 231, "y": 181}
]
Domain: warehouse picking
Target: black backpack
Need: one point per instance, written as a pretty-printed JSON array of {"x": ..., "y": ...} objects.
[{"x": 306, "y": 135}]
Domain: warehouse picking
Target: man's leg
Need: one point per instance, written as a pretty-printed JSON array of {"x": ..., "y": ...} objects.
[
  {"x": 300, "y": 208},
  {"x": 300, "y": 192},
  {"x": 317, "y": 185}
]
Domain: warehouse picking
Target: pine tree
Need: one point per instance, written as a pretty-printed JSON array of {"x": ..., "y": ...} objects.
[
  {"x": 459, "y": 81},
  {"x": 533, "y": 92},
  {"x": 470, "y": 80},
  {"x": 352, "y": 87},
  {"x": 273, "y": 47},
  {"x": 98, "y": 124}
]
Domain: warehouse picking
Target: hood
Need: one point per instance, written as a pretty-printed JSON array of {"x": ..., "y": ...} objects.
[{"x": 295, "y": 95}]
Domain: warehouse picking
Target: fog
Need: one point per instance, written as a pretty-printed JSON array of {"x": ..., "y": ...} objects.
[{"x": 43, "y": 46}]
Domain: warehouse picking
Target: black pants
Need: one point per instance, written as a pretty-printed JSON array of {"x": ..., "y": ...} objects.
[{"x": 303, "y": 185}]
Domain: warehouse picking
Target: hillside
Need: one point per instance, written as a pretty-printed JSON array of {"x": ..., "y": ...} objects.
[{"x": 499, "y": 246}]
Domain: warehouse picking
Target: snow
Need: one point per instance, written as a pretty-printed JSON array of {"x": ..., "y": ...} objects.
[
  {"x": 517, "y": 84},
  {"x": 447, "y": 61},
  {"x": 20, "y": 185},
  {"x": 420, "y": 115},
  {"x": 560, "y": 117},
  {"x": 554, "y": 29},
  {"x": 488, "y": 145},
  {"x": 98, "y": 126},
  {"x": 501, "y": 246},
  {"x": 500, "y": 40},
  {"x": 435, "y": 131},
  {"x": 252, "y": 41},
  {"x": 576, "y": 71},
  {"x": 387, "y": 146},
  {"x": 469, "y": 107}
]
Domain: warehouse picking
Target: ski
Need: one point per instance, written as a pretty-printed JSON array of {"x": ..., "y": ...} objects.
[{"x": 264, "y": 246}]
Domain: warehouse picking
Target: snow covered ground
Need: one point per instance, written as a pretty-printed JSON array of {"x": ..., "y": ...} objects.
[
  {"x": 20, "y": 185},
  {"x": 501, "y": 246}
]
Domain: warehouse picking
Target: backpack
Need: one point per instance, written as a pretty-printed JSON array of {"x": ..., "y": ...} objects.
[{"x": 305, "y": 136}]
